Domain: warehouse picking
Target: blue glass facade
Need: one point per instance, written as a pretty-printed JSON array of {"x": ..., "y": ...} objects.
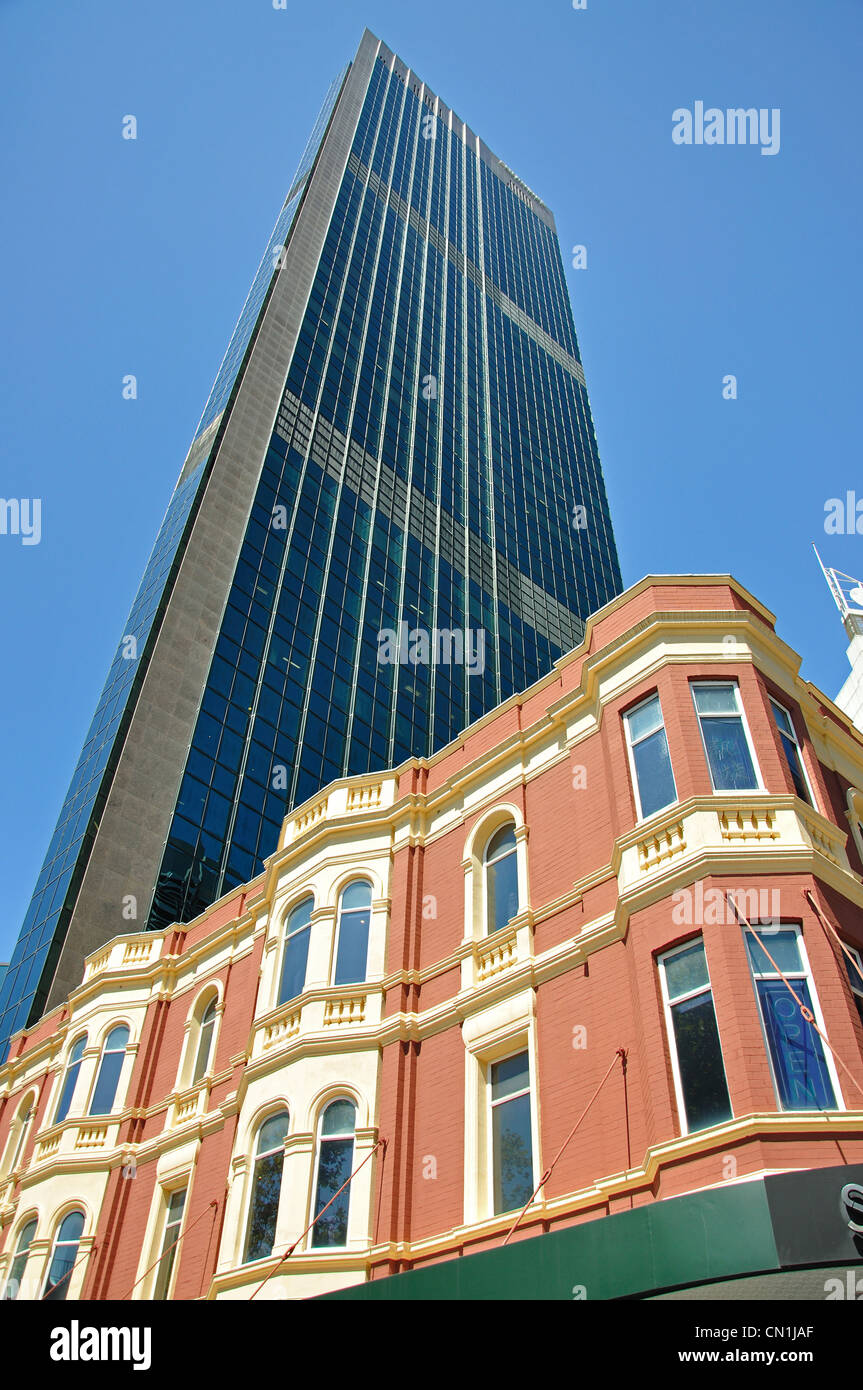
[
  {"x": 433, "y": 440},
  {"x": 432, "y": 443}
]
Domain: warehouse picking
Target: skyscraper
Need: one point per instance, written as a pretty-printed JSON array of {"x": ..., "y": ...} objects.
[{"x": 391, "y": 517}]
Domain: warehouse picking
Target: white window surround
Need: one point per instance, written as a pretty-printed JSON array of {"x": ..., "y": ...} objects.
[
  {"x": 633, "y": 772},
  {"x": 151, "y": 1246},
  {"x": 31, "y": 1280},
  {"x": 323, "y": 938},
  {"x": 72, "y": 1042},
  {"x": 276, "y": 939},
  {"x": 474, "y": 867},
  {"x": 805, "y": 973},
  {"x": 492, "y": 1104},
  {"x": 284, "y": 918},
  {"x": 799, "y": 746},
  {"x": 242, "y": 1177},
  {"x": 361, "y": 1187},
  {"x": 85, "y": 1245},
  {"x": 340, "y": 911},
  {"x": 490, "y": 1036},
  {"x": 124, "y": 1074},
  {"x": 669, "y": 1022},
  {"x": 320, "y": 1139},
  {"x": 741, "y": 714},
  {"x": 209, "y": 990},
  {"x": 19, "y": 1131}
]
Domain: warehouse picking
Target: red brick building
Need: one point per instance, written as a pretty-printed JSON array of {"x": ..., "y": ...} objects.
[{"x": 597, "y": 961}]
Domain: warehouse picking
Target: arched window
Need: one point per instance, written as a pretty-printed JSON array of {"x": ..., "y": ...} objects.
[
  {"x": 63, "y": 1256},
  {"x": 266, "y": 1187},
  {"x": 335, "y": 1162},
  {"x": 70, "y": 1080},
  {"x": 18, "y": 1131},
  {"x": 355, "y": 908},
  {"x": 297, "y": 933},
  {"x": 205, "y": 1040},
  {"x": 19, "y": 1263},
  {"x": 501, "y": 879},
  {"x": 113, "y": 1054}
]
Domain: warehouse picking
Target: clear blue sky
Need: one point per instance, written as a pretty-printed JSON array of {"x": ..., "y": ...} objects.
[{"x": 135, "y": 257}]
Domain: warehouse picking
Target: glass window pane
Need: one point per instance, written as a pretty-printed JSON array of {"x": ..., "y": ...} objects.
[
  {"x": 334, "y": 1168},
  {"x": 513, "y": 1157},
  {"x": 273, "y": 1133},
  {"x": 170, "y": 1244},
  {"x": 502, "y": 880},
  {"x": 265, "y": 1206},
  {"x": 116, "y": 1039},
  {"x": 699, "y": 1058},
  {"x": 72, "y": 1227},
  {"x": 653, "y": 770},
  {"x": 783, "y": 947},
  {"x": 339, "y": 1118},
  {"x": 106, "y": 1083},
  {"x": 509, "y": 1076},
  {"x": 855, "y": 972},
  {"x": 205, "y": 1043},
  {"x": 782, "y": 719},
  {"x": 19, "y": 1264},
  {"x": 69, "y": 1082},
  {"x": 500, "y": 842},
  {"x": 301, "y": 916},
  {"x": 716, "y": 699},
  {"x": 357, "y": 894},
  {"x": 801, "y": 1072},
  {"x": 795, "y": 767},
  {"x": 731, "y": 765},
  {"x": 353, "y": 947},
  {"x": 64, "y": 1258},
  {"x": 294, "y": 965},
  {"x": 645, "y": 720},
  {"x": 62, "y": 1264},
  {"x": 686, "y": 971}
]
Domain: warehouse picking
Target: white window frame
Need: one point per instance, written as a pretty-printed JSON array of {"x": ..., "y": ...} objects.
[
  {"x": 337, "y": 935},
  {"x": 19, "y": 1133},
  {"x": 805, "y": 973},
  {"x": 285, "y": 936},
  {"x": 76, "y": 1272},
  {"x": 168, "y": 1194},
  {"x": 491, "y": 1105},
  {"x": 196, "y": 1036},
  {"x": 65, "y": 1072},
  {"x": 249, "y": 1196},
  {"x": 741, "y": 715},
  {"x": 122, "y": 1076},
  {"x": 487, "y": 864},
  {"x": 32, "y": 1219},
  {"x": 798, "y": 745},
  {"x": 320, "y": 1140},
  {"x": 630, "y": 746},
  {"x": 667, "y": 1005}
]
